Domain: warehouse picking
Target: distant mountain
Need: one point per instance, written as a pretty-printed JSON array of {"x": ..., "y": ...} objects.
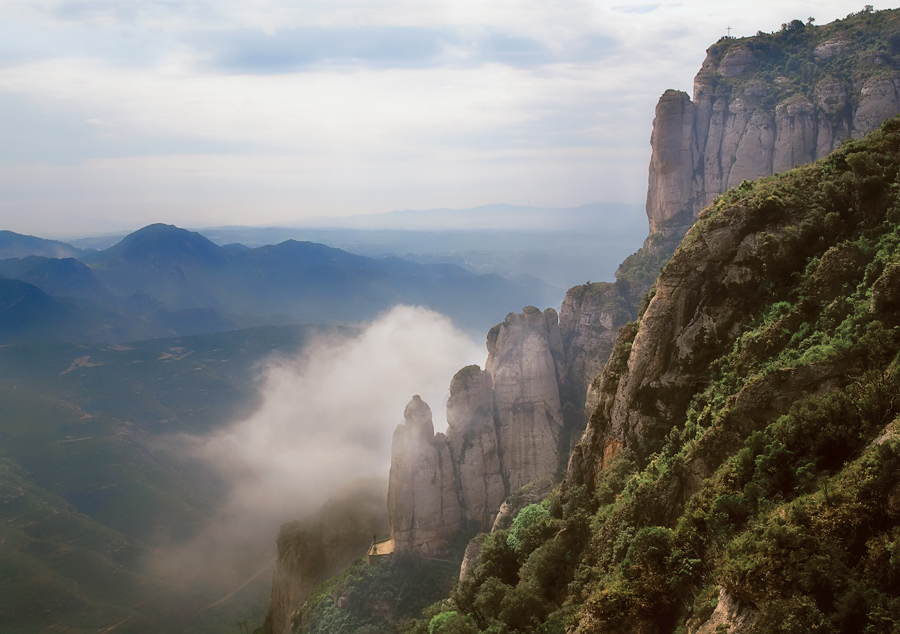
[
  {"x": 559, "y": 258},
  {"x": 594, "y": 218},
  {"x": 298, "y": 281},
  {"x": 27, "y": 313},
  {"x": 16, "y": 245},
  {"x": 66, "y": 277}
]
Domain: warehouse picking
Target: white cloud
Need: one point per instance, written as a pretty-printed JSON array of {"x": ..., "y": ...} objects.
[
  {"x": 539, "y": 86},
  {"x": 325, "y": 423}
]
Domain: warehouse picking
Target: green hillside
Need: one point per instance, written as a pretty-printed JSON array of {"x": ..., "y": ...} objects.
[
  {"x": 763, "y": 483},
  {"x": 89, "y": 483},
  {"x": 791, "y": 414}
]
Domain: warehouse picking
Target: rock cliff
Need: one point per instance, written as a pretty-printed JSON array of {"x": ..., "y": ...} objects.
[
  {"x": 310, "y": 551},
  {"x": 423, "y": 502},
  {"x": 763, "y": 105},
  {"x": 741, "y": 470},
  {"x": 760, "y": 106},
  {"x": 508, "y": 425}
]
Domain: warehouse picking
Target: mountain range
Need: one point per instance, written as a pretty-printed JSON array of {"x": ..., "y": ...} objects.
[{"x": 164, "y": 281}]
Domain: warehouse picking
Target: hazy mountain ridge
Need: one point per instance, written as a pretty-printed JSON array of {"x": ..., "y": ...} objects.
[
  {"x": 166, "y": 281},
  {"x": 301, "y": 281},
  {"x": 562, "y": 247},
  {"x": 16, "y": 245}
]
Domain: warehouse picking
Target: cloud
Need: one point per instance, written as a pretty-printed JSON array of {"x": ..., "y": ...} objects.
[
  {"x": 640, "y": 8},
  {"x": 293, "y": 49},
  {"x": 325, "y": 424},
  {"x": 377, "y": 46},
  {"x": 271, "y": 111}
]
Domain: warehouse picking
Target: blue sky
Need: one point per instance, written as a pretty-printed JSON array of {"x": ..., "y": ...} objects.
[{"x": 115, "y": 113}]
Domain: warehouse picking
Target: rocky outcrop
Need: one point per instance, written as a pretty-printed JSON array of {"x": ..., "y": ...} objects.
[
  {"x": 674, "y": 160},
  {"x": 423, "y": 502},
  {"x": 526, "y": 361},
  {"x": 312, "y": 550},
  {"x": 507, "y": 424},
  {"x": 474, "y": 445},
  {"x": 744, "y": 125},
  {"x": 730, "y": 616}
]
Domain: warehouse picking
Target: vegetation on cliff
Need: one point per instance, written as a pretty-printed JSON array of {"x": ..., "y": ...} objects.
[
  {"x": 796, "y": 57},
  {"x": 778, "y": 486}
]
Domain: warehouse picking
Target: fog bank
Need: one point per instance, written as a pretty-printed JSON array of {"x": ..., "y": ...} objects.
[{"x": 324, "y": 426}]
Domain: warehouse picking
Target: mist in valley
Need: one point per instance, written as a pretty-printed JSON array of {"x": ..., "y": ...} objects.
[{"x": 323, "y": 430}]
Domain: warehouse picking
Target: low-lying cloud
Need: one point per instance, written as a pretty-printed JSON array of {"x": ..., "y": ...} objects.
[{"x": 325, "y": 425}]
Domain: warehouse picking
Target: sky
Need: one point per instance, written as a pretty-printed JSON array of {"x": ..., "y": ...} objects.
[{"x": 118, "y": 113}]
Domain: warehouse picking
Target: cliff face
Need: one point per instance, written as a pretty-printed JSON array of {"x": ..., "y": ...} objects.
[
  {"x": 312, "y": 550},
  {"x": 741, "y": 470},
  {"x": 509, "y": 425},
  {"x": 764, "y": 105},
  {"x": 423, "y": 503},
  {"x": 768, "y": 339}
]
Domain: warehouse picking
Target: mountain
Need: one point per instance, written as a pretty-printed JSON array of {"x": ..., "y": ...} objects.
[
  {"x": 766, "y": 104},
  {"x": 60, "y": 277},
  {"x": 560, "y": 258},
  {"x": 15, "y": 245},
  {"x": 27, "y": 313},
  {"x": 739, "y": 470},
  {"x": 299, "y": 281}
]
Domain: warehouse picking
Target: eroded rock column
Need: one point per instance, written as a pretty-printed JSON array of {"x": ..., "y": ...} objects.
[
  {"x": 423, "y": 506},
  {"x": 525, "y": 361}
]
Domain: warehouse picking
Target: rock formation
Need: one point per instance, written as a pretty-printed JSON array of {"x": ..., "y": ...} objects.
[
  {"x": 474, "y": 445},
  {"x": 526, "y": 362},
  {"x": 423, "y": 501},
  {"x": 743, "y": 124},
  {"x": 509, "y": 425},
  {"x": 507, "y": 428}
]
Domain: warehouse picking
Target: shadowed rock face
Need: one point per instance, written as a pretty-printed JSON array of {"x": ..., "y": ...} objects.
[
  {"x": 312, "y": 550},
  {"x": 423, "y": 504}
]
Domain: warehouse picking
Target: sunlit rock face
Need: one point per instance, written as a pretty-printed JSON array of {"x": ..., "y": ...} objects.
[
  {"x": 525, "y": 361},
  {"x": 474, "y": 445},
  {"x": 741, "y": 125}
]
